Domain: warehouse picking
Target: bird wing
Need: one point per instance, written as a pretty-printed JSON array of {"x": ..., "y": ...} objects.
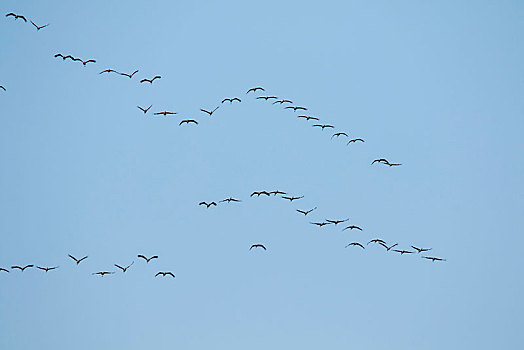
[
  {"x": 158, "y": 273},
  {"x": 11, "y": 14},
  {"x": 120, "y": 267},
  {"x": 72, "y": 257},
  {"x": 22, "y": 17},
  {"x": 153, "y": 257},
  {"x": 170, "y": 274},
  {"x": 144, "y": 80},
  {"x": 85, "y": 257}
]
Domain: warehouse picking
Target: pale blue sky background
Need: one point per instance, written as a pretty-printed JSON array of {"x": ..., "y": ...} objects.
[{"x": 437, "y": 86}]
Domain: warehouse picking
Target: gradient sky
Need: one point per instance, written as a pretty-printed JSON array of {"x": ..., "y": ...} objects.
[{"x": 436, "y": 86}]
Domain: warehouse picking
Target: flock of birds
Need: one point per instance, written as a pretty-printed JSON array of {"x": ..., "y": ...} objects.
[{"x": 257, "y": 92}]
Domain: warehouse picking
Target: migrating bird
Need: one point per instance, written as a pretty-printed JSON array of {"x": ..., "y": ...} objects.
[
  {"x": 230, "y": 199},
  {"x": 274, "y": 193},
  {"x": 187, "y": 121},
  {"x": 388, "y": 248},
  {"x": 319, "y": 224},
  {"x": 355, "y": 140},
  {"x": 124, "y": 269},
  {"x": 144, "y": 109},
  {"x": 46, "y": 269},
  {"x": 108, "y": 71},
  {"x": 323, "y": 126},
  {"x": 266, "y": 97},
  {"x": 255, "y": 89},
  {"x": 307, "y": 117},
  {"x": 376, "y": 240},
  {"x": 231, "y": 100},
  {"x": 128, "y": 75},
  {"x": 259, "y": 193},
  {"x": 351, "y": 227},
  {"x": 420, "y": 250},
  {"x": 432, "y": 258},
  {"x": 337, "y": 134},
  {"x": 294, "y": 108},
  {"x": 16, "y": 16},
  {"x": 336, "y": 222},
  {"x": 305, "y": 212},
  {"x": 147, "y": 259},
  {"x": 5, "y": 270},
  {"x": 283, "y": 101},
  {"x": 291, "y": 199},
  {"x": 355, "y": 244},
  {"x": 102, "y": 273},
  {"x": 402, "y": 252},
  {"x": 257, "y": 246},
  {"x": 77, "y": 260},
  {"x": 88, "y": 61},
  {"x": 38, "y": 27},
  {"x": 21, "y": 268},
  {"x": 209, "y": 112},
  {"x": 150, "y": 81},
  {"x": 164, "y": 113},
  {"x": 207, "y": 204},
  {"x": 385, "y": 161},
  {"x": 168, "y": 273}
]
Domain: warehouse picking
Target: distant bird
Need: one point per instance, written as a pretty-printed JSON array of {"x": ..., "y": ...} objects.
[
  {"x": 283, "y": 101},
  {"x": 231, "y": 100},
  {"x": 257, "y": 246},
  {"x": 102, "y": 273},
  {"x": 209, "y": 112},
  {"x": 319, "y": 224},
  {"x": 305, "y": 212},
  {"x": 230, "y": 199},
  {"x": 355, "y": 244},
  {"x": 5, "y": 270},
  {"x": 323, "y": 126},
  {"x": 164, "y": 113},
  {"x": 388, "y": 248},
  {"x": 16, "y": 16},
  {"x": 88, "y": 61},
  {"x": 380, "y": 160},
  {"x": 402, "y": 252},
  {"x": 432, "y": 258},
  {"x": 274, "y": 193},
  {"x": 336, "y": 222},
  {"x": 307, "y": 117},
  {"x": 38, "y": 27},
  {"x": 108, "y": 71},
  {"x": 129, "y": 75},
  {"x": 259, "y": 193},
  {"x": 150, "y": 81},
  {"x": 337, "y": 134},
  {"x": 255, "y": 89},
  {"x": 207, "y": 204},
  {"x": 376, "y": 240},
  {"x": 124, "y": 269},
  {"x": 47, "y": 269},
  {"x": 187, "y": 121},
  {"x": 164, "y": 274},
  {"x": 3, "y": 88},
  {"x": 144, "y": 109},
  {"x": 266, "y": 97},
  {"x": 421, "y": 250},
  {"x": 351, "y": 227},
  {"x": 355, "y": 140},
  {"x": 21, "y": 268},
  {"x": 294, "y": 108},
  {"x": 77, "y": 260},
  {"x": 147, "y": 259},
  {"x": 61, "y": 56},
  {"x": 291, "y": 199}
]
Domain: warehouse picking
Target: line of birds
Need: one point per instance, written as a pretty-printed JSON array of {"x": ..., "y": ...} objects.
[{"x": 15, "y": 16}]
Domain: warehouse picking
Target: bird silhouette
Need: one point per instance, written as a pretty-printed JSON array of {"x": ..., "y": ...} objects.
[
  {"x": 230, "y": 199},
  {"x": 144, "y": 109},
  {"x": 307, "y": 117},
  {"x": 209, "y": 112},
  {"x": 380, "y": 160},
  {"x": 283, "y": 101},
  {"x": 305, "y": 212},
  {"x": 255, "y": 89},
  {"x": 187, "y": 121},
  {"x": 337, "y": 134},
  {"x": 102, "y": 273},
  {"x": 266, "y": 97},
  {"x": 351, "y": 227},
  {"x": 108, "y": 71},
  {"x": 421, "y": 250},
  {"x": 336, "y": 222},
  {"x": 402, "y": 252},
  {"x": 165, "y": 273},
  {"x": 355, "y": 140},
  {"x": 319, "y": 224},
  {"x": 150, "y": 81},
  {"x": 259, "y": 193},
  {"x": 231, "y": 100},
  {"x": 207, "y": 204},
  {"x": 432, "y": 258},
  {"x": 38, "y": 27},
  {"x": 355, "y": 244},
  {"x": 124, "y": 269},
  {"x": 291, "y": 199},
  {"x": 294, "y": 108},
  {"x": 147, "y": 259},
  {"x": 21, "y": 268},
  {"x": 88, "y": 61},
  {"x": 376, "y": 240},
  {"x": 16, "y": 16},
  {"x": 77, "y": 260},
  {"x": 165, "y": 113},
  {"x": 388, "y": 248},
  {"x": 129, "y": 75},
  {"x": 274, "y": 193},
  {"x": 47, "y": 269},
  {"x": 323, "y": 126},
  {"x": 257, "y": 246}
]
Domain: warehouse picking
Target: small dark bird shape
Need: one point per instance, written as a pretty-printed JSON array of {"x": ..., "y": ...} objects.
[
  {"x": 294, "y": 108},
  {"x": 150, "y": 81},
  {"x": 376, "y": 240},
  {"x": 402, "y": 252},
  {"x": 266, "y": 97},
  {"x": 323, "y": 126},
  {"x": 144, "y": 109},
  {"x": 108, "y": 71},
  {"x": 319, "y": 224},
  {"x": 351, "y": 227},
  {"x": 336, "y": 222},
  {"x": 432, "y": 258},
  {"x": 47, "y": 269},
  {"x": 388, "y": 248},
  {"x": 102, "y": 273},
  {"x": 230, "y": 199},
  {"x": 60, "y": 55},
  {"x": 163, "y": 274},
  {"x": 88, "y": 61},
  {"x": 380, "y": 160},
  {"x": 187, "y": 121},
  {"x": 21, "y": 268},
  {"x": 355, "y": 140},
  {"x": 124, "y": 269},
  {"x": 307, "y": 117},
  {"x": 291, "y": 199},
  {"x": 259, "y": 193},
  {"x": 283, "y": 101},
  {"x": 274, "y": 193},
  {"x": 257, "y": 246},
  {"x": 231, "y": 100},
  {"x": 255, "y": 89},
  {"x": 147, "y": 259},
  {"x": 3, "y": 88},
  {"x": 355, "y": 244},
  {"x": 77, "y": 260},
  {"x": 38, "y": 27},
  {"x": 337, "y": 134},
  {"x": 207, "y": 204},
  {"x": 305, "y": 212},
  {"x": 5, "y": 270},
  {"x": 16, "y": 16},
  {"x": 209, "y": 112},
  {"x": 129, "y": 75},
  {"x": 420, "y": 250},
  {"x": 164, "y": 113}
]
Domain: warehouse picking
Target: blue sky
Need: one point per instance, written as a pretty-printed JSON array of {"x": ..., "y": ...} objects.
[{"x": 435, "y": 86}]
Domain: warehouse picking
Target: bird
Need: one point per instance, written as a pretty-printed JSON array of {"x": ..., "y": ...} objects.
[
  {"x": 351, "y": 227},
  {"x": 355, "y": 244},
  {"x": 16, "y": 16},
  {"x": 336, "y": 222},
  {"x": 294, "y": 108},
  {"x": 145, "y": 110},
  {"x": 88, "y": 61},
  {"x": 77, "y": 260},
  {"x": 209, "y": 112},
  {"x": 388, "y": 248},
  {"x": 274, "y": 193},
  {"x": 323, "y": 126},
  {"x": 380, "y": 160},
  {"x": 207, "y": 204},
  {"x": 21, "y": 268},
  {"x": 230, "y": 199},
  {"x": 124, "y": 269},
  {"x": 337, "y": 134},
  {"x": 376, "y": 240},
  {"x": 231, "y": 100},
  {"x": 5, "y": 270},
  {"x": 307, "y": 117},
  {"x": 259, "y": 193},
  {"x": 283, "y": 101},
  {"x": 432, "y": 258},
  {"x": 108, "y": 71},
  {"x": 168, "y": 273},
  {"x": 420, "y": 250},
  {"x": 266, "y": 97},
  {"x": 291, "y": 199},
  {"x": 102, "y": 273},
  {"x": 3, "y": 88},
  {"x": 319, "y": 224},
  {"x": 355, "y": 140},
  {"x": 305, "y": 212},
  {"x": 46, "y": 269},
  {"x": 257, "y": 246},
  {"x": 59, "y": 55},
  {"x": 164, "y": 113},
  {"x": 187, "y": 121},
  {"x": 129, "y": 75},
  {"x": 402, "y": 252},
  {"x": 255, "y": 89},
  {"x": 147, "y": 259},
  {"x": 150, "y": 81},
  {"x": 38, "y": 27}
]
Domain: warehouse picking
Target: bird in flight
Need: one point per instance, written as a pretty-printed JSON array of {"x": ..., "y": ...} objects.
[
  {"x": 3, "y": 88},
  {"x": 231, "y": 100},
  {"x": 77, "y": 260},
  {"x": 351, "y": 227},
  {"x": 294, "y": 108},
  {"x": 336, "y": 222},
  {"x": 385, "y": 161},
  {"x": 207, "y": 204},
  {"x": 16, "y": 16},
  {"x": 102, "y": 273},
  {"x": 62, "y": 56},
  {"x": 305, "y": 212},
  {"x": 230, "y": 199},
  {"x": 355, "y": 140},
  {"x": 88, "y": 61},
  {"x": 421, "y": 250},
  {"x": 376, "y": 240},
  {"x": 259, "y": 193},
  {"x": 255, "y": 89},
  {"x": 291, "y": 199},
  {"x": 388, "y": 248},
  {"x": 307, "y": 117},
  {"x": 355, "y": 244},
  {"x": 209, "y": 112},
  {"x": 107, "y": 71},
  {"x": 38, "y": 27},
  {"x": 150, "y": 81},
  {"x": 432, "y": 258},
  {"x": 187, "y": 121},
  {"x": 21, "y": 268},
  {"x": 164, "y": 273},
  {"x": 46, "y": 269},
  {"x": 319, "y": 224},
  {"x": 283, "y": 101},
  {"x": 257, "y": 246},
  {"x": 129, "y": 75},
  {"x": 124, "y": 269},
  {"x": 144, "y": 109},
  {"x": 5, "y": 270},
  {"x": 274, "y": 193},
  {"x": 323, "y": 126},
  {"x": 147, "y": 259},
  {"x": 337, "y": 134},
  {"x": 266, "y": 97},
  {"x": 402, "y": 252},
  {"x": 164, "y": 113}
]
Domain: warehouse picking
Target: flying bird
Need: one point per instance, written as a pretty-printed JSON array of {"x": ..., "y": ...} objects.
[
  {"x": 38, "y": 27},
  {"x": 319, "y": 224},
  {"x": 255, "y": 89},
  {"x": 77, "y": 260},
  {"x": 274, "y": 193},
  {"x": 187, "y": 121},
  {"x": 351, "y": 227},
  {"x": 124, "y": 269},
  {"x": 380, "y": 160},
  {"x": 376, "y": 240},
  {"x": 168, "y": 273},
  {"x": 420, "y": 250},
  {"x": 209, "y": 112},
  {"x": 291, "y": 199},
  {"x": 21, "y": 268},
  {"x": 294, "y": 108},
  {"x": 102, "y": 273},
  {"x": 207, "y": 204},
  {"x": 305, "y": 212},
  {"x": 88, "y": 61},
  {"x": 150, "y": 81},
  {"x": 46, "y": 269},
  {"x": 355, "y": 140},
  {"x": 266, "y": 97},
  {"x": 230, "y": 199},
  {"x": 388, "y": 248},
  {"x": 323, "y": 126},
  {"x": 283, "y": 101},
  {"x": 16, "y": 16},
  {"x": 231, "y": 100},
  {"x": 5, "y": 270},
  {"x": 337, "y": 134},
  {"x": 108, "y": 71},
  {"x": 336, "y": 222},
  {"x": 257, "y": 246},
  {"x": 144, "y": 109},
  {"x": 402, "y": 252},
  {"x": 147, "y": 259},
  {"x": 164, "y": 113},
  {"x": 129, "y": 75},
  {"x": 307, "y": 117},
  {"x": 259, "y": 193},
  {"x": 432, "y": 258},
  {"x": 355, "y": 244}
]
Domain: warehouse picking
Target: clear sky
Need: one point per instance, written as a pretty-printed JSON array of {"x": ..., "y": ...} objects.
[{"x": 436, "y": 86}]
